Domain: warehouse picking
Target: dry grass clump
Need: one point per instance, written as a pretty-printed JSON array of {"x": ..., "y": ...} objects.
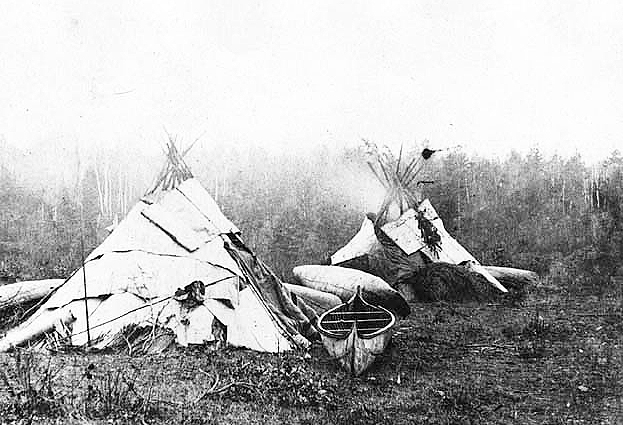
[
  {"x": 448, "y": 282},
  {"x": 27, "y": 388},
  {"x": 14, "y": 315},
  {"x": 33, "y": 388},
  {"x": 117, "y": 394}
]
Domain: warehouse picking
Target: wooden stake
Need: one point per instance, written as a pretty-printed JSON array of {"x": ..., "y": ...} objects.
[{"x": 84, "y": 274}]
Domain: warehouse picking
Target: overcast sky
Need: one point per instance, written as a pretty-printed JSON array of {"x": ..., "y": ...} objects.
[{"x": 489, "y": 75}]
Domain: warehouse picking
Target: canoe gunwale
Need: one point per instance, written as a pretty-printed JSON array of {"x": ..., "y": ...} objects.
[{"x": 342, "y": 335}]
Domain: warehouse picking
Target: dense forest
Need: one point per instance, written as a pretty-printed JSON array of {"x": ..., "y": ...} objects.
[{"x": 557, "y": 215}]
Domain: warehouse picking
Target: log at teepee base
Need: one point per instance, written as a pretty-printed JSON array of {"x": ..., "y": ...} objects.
[
  {"x": 512, "y": 277},
  {"x": 45, "y": 323},
  {"x": 16, "y": 294}
]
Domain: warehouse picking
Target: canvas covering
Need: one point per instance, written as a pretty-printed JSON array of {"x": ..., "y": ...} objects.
[
  {"x": 406, "y": 234},
  {"x": 164, "y": 244}
]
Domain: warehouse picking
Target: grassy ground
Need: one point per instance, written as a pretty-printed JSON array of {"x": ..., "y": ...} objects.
[{"x": 555, "y": 359}]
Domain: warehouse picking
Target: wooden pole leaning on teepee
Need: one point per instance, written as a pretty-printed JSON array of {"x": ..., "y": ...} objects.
[{"x": 84, "y": 275}]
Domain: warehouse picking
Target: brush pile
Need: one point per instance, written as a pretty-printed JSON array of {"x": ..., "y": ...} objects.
[{"x": 447, "y": 282}]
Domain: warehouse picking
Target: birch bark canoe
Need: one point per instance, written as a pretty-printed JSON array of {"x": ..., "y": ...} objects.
[
  {"x": 18, "y": 293},
  {"x": 42, "y": 324},
  {"x": 320, "y": 301},
  {"x": 356, "y": 333},
  {"x": 343, "y": 282},
  {"x": 513, "y": 277}
]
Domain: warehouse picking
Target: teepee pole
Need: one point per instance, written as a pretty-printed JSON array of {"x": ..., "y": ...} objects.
[
  {"x": 84, "y": 274},
  {"x": 398, "y": 162}
]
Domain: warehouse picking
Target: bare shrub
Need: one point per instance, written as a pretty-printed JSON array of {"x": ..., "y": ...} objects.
[
  {"x": 117, "y": 393},
  {"x": 30, "y": 386}
]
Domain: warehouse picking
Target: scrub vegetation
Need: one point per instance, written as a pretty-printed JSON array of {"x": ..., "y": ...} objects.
[
  {"x": 556, "y": 359},
  {"x": 552, "y": 357}
]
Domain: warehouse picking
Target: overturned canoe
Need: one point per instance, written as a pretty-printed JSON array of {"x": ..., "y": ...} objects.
[
  {"x": 512, "y": 277},
  {"x": 15, "y": 294},
  {"x": 318, "y": 300},
  {"x": 355, "y": 333},
  {"x": 343, "y": 282}
]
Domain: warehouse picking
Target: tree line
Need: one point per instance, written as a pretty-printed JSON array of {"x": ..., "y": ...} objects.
[{"x": 557, "y": 216}]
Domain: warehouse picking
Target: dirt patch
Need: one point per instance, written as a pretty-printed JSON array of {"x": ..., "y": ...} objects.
[{"x": 542, "y": 362}]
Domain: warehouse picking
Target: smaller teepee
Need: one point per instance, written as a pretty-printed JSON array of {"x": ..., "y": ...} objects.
[
  {"x": 174, "y": 270},
  {"x": 406, "y": 234}
]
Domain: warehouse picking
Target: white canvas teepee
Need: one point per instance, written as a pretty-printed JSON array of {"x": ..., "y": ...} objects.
[
  {"x": 175, "y": 263},
  {"x": 406, "y": 234},
  {"x": 413, "y": 238}
]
